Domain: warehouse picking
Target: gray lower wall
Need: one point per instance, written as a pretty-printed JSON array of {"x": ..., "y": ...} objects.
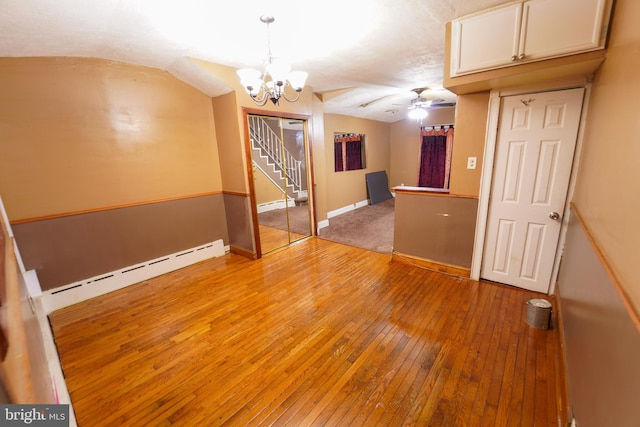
[
  {"x": 435, "y": 227},
  {"x": 240, "y": 222},
  {"x": 602, "y": 343},
  {"x": 66, "y": 249}
]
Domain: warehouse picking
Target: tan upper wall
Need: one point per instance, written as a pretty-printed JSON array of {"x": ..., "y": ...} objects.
[
  {"x": 82, "y": 134},
  {"x": 266, "y": 190},
  {"x": 405, "y": 145},
  {"x": 606, "y": 193},
  {"x": 320, "y": 155},
  {"x": 349, "y": 187},
  {"x": 233, "y": 166},
  {"x": 471, "y": 124}
]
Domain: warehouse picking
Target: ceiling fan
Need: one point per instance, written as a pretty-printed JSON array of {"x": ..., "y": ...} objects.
[{"x": 425, "y": 100}]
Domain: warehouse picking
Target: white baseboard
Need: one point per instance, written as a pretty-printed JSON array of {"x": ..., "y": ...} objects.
[
  {"x": 76, "y": 292},
  {"x": 347, "y": 208},
  {"x": 322, "y": 224},
  {"x": 32, "y": 283},
  {"x": 278, "y": 204}
]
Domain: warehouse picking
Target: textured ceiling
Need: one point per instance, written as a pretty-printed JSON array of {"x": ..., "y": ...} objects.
[{"x": 357, "y": 52}]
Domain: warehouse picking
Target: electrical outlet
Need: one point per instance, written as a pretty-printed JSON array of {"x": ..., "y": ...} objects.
[{"x": 471, "y": 162}]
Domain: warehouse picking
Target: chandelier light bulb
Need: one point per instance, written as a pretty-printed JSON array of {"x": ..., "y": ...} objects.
[
  {"x": 278, "y": 71},
  {"x": 297, "y": 79}
]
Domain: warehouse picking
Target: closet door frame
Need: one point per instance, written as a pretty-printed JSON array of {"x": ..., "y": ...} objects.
[{"x": 246, "y": 112}]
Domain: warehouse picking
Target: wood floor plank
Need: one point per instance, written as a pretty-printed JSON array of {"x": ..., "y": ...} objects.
[
  {"x": 459, "y": 391},
  {"x": 316, "y": 334},
  {"x": 489, "y": 353},
  {"x": 415, "y": 367},
  {"x": 371, "y": 398}
]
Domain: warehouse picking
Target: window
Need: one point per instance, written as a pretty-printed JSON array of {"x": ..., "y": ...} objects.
[
  {"x": 348, "y": 152},
  {"x": 435, "y": 156}
]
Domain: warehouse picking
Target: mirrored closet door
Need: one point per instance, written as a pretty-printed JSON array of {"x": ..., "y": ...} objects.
[{"x": 279, "y": 154}]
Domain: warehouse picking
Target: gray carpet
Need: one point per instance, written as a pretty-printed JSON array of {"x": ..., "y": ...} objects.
[
  {"x": 369, "y": 227},
  {"x": 299, "y": 220}
]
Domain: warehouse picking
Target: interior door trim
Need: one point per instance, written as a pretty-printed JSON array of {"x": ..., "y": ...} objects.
[{"x": 486, "y": 177}]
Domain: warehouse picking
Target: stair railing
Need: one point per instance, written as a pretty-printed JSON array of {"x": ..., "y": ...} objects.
[{"x": 263, "y": 138}]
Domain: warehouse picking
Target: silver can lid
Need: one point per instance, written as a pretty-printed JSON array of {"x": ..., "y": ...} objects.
[{"x": 540, "y": 303}]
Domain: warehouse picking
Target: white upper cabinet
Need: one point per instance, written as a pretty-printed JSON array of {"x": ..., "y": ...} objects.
[
  {"x": 527, "y": 31},
  {"x": 486, "y": 40}
]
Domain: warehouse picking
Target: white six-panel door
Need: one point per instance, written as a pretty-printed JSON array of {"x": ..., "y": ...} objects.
[{"x": 534, "y": 154}]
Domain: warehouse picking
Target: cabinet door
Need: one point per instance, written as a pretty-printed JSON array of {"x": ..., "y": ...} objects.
[
  {"x": 487, "y": 40},
  {"x": 558, "y": 27}
]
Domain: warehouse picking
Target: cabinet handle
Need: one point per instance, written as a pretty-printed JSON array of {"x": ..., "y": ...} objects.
[
  {"x": 513, "y": 58},
  {"x": 521, "y": 56}
]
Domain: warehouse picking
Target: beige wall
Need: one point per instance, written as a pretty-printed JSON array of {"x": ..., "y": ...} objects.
[
  {"x": 470, "y": 133},
  {"x": 437, "y": 228},
  {"x": 602, "y": 344},
  {"x": 68, "y": 249},
  {"x": 607, "y": 193},
  {"x": 104, "y": 165},
  {"x": 320, "y": 158},
  {"x": 405, "y": 145},
  {"x": 349, "y": 187},
  {"x": 88, "y": 133},
  {"x": 233, "y": 165},
  {"x": 266, "y": 190}
]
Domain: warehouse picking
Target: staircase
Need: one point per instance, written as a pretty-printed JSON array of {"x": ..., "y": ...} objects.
[{"x": 276, "y": 162}]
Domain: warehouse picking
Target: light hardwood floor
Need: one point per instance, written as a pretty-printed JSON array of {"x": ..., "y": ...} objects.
[
  {"x": 273, "y": 238},
  {"x": 317, "y": 334}
]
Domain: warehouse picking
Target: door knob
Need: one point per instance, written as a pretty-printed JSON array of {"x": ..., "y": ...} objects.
[{"x": 554, "y": 215}]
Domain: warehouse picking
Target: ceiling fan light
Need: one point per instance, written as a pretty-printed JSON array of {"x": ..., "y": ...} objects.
[{"x": 418, "y": 113}]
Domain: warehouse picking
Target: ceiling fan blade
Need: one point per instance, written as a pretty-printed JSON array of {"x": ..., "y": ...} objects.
[{"x": 373, "y": 101}]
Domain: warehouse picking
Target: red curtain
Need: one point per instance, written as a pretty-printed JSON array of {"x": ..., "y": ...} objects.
[
  {"x": 354, "y": 155},
  {"x": 337, "y": 150},
  {"x": 435, "y": 157},
  {"x": 348, "y": 152}
]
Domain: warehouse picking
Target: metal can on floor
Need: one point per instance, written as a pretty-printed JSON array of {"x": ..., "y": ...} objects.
[{"x": 539, "y": 313}]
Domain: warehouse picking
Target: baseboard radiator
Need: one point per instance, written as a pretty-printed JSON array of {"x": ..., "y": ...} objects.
[{"x": 76, "y": 292}]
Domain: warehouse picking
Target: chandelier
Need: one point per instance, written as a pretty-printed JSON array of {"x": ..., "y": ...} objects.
[{"x": 272, "y": 84}]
